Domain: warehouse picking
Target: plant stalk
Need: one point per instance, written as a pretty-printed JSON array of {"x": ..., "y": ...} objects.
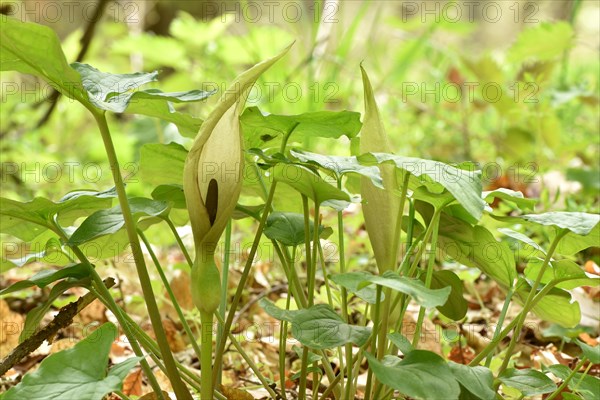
[
  {"x": 179, "y": 387},
  {"x": 532, "y": 293}
]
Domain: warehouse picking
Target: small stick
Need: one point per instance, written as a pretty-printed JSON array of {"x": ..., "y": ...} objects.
[{"x": 63, "y": 319}]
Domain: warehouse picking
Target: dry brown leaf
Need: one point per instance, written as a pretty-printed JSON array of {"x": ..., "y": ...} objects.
[
  {"x": 62, "y": 344},
  {"x": 152, "y": 396},
  {"x": 235, "y": 394},
  {"x": 461, "y": 354},
  {"x": 10, "y": 328},
  {"x": 132, "y": 385},
  {"x": 174, "y": 337},
  {"x": 180, "y": 284}
]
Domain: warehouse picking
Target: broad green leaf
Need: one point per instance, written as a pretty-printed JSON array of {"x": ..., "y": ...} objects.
[
  {"x": 592, "y": 353},
  {"x": 465, "y": 185},
  {"x": 401, "y": 342},
  {"x": 308, "y": 183},
  {"x": 579, "y": 223},
  {"x": 410, "y": 286},
  {"x": 162, "y": 164},
  {"x": 110, "y": 221},
  {"x": 287, "y": 228},
  {"x": 172, "y": 193},
  {"x": 340, "y": 166},
  {"x": 522, "y": 238},
  {"x": 76, "y": 373},
  {"x": 566, "y": 272},
  {"x": 46, "y": 277},
  {"x": 318, "y": 327},
  {"x": 27, "y": 220},
  {"x": 114, "y": 92},
  {"x": 420, "y": 375},
  {"x": 528, "y": 381},
  {"x": 380, "y": 207},
  {"x": 354, "y": 285},
  {"x": 477, "y": 247},
  {"x": 542, "y": 42},
  {"x": 456, "y": 306},
  {"x": 510, "y": 196},
  {"x": 478, "y": 380},
  {"x": 35, "y": 49},
  {"x": 34, "y": 316},
  {"x": 566, "y": 334},
  {"x": 327, "y": 124},
  {"x": 187, "y": 125},
  {"x": 573, "y": 243},
  {"x": 51, "y": 254},
  {"x": 556, "y": 306}
]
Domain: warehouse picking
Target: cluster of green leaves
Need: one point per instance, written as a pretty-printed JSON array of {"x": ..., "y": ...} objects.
[{"x": 446, "y": 202}]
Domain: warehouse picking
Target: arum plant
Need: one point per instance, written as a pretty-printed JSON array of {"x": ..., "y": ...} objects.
[{"x": 212, "y": 184}]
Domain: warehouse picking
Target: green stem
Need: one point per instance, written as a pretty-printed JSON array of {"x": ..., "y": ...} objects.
[
  {"x": 103, "y": 293},
  {"x": 532, "y": 293},
  {"x": 224, "y": 287},
  {"x": 348, "y": 389},
  {"x": 558, "y": 391},
  {"x": 307, "y": 249},
  {"x": 493, "y": 343},
  {"x": 179, "y": 241},
  {"x": 170, "y": 293},
  {"x": 376, "y": 318},
  {"x": 206, "y": 365},
  {"x": 435, "y": 222},
  {"x": 244, "y": 277},
  {"x": 178, "y": 386},
  {"x": 501, "y": 318}
]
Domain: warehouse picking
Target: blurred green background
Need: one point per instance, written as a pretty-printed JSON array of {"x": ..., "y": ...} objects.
[{"x": 512, "y": 85}]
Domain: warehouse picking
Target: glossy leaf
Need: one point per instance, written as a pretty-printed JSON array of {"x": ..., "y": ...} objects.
[
  {"x": 309, "y": 184},
  {"x": 465, "y": 185},
  {"x": 401, "y": 342},
  {"x": 327, "y": 124},
  {"x": 287, "y": 228},
  {"x": 510, "y": 196},
  {"x": 456, "y": 306},
  {"x": 79, "y": 372},
  {"x": 410, "y": 286},
  {"x": 556, "y": 306},
  {"x": 162, "y": 164},
  {"x": 477, "y": 247},
  {"x": 340, "y": 166},
  {"x": 577, "y": 222},
  {"x": 478, "y": 380},
  {"x": 592, "y": 353},
  {"x": 114, "y": 92},
  {"x": 366, "y": 293},
  {"x": 35, "y": 49},
  {"x": 566, "y": 272},
  {"x": 27, "y": 220},
  {"x": 420, "y": 375},
  {"x": 46, "y": 277},
  {"x": 318, "y": 327},
  {"x": 172, "y": 193},
  {"x": 110, "y": 221},
  {"x": 528, "y": 381},
  {"x": 573, "y": 243},
  {"x": 585, "y": 386}
]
